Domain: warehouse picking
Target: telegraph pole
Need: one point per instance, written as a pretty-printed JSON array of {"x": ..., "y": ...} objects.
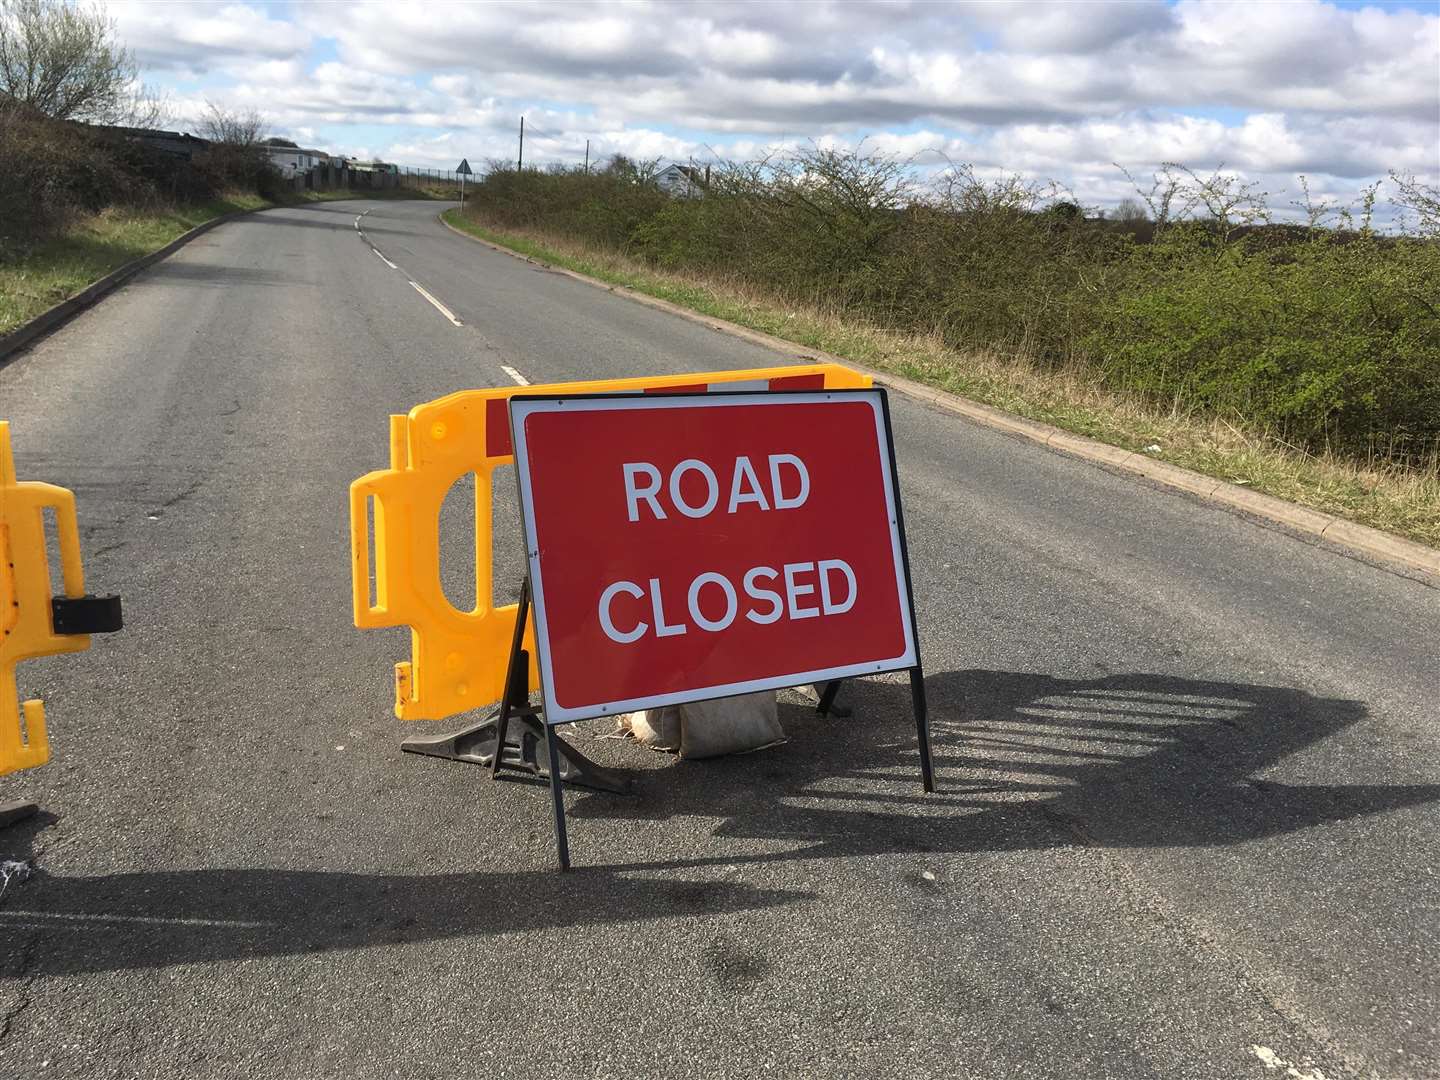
[
  {"x": 520, "y": 164},
  {"x": 587, "y": 157}
]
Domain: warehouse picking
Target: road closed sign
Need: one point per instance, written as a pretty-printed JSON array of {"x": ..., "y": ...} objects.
[{"x": 692, "y": 546}]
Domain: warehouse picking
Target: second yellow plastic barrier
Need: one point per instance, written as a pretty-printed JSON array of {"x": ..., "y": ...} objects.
[
  {"x": 26, "y": 629},
  {"x": 457, "y": 658}
]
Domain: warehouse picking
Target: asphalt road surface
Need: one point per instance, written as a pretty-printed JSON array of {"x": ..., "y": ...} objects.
[{"x": 1189, "y": 763}]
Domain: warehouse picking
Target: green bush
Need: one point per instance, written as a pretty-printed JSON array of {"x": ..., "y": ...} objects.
[
  {"x": 51, "y": 171},
  {"x": 1331, "y": 342},
  {"x": 1327, "y": 339},
  {"x": 54, "y": 170}
]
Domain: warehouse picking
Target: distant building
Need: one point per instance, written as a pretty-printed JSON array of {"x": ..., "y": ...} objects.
[
  {"x": 683, "y": 181},
  {"x": 369, "y": 166},
  {"x": 291, "y": 160}
]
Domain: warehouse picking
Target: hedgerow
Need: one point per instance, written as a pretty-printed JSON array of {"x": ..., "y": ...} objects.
[{"x": 1326, "y": 338}]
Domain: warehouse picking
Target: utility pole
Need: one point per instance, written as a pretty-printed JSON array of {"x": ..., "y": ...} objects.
[
  {"x": 587, "y": 157},
  {"x": 520, "y": 163}
]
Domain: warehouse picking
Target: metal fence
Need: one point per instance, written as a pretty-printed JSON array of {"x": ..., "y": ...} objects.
[
  {"x": 331, "y": 177},
  {"x": 414, "y": 177}
]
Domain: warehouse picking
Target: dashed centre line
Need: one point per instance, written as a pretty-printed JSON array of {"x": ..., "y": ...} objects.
[
  {"x": 438, "y": 305},
  {"x": 521, "y": 379}
]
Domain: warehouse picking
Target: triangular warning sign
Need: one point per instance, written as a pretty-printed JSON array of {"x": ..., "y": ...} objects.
[{"x": 464, "y": 167}]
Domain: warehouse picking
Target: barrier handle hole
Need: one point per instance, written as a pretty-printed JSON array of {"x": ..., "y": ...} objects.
[
  {"x": 458, "y": 541},
  {"x": 371, "y": 571}
]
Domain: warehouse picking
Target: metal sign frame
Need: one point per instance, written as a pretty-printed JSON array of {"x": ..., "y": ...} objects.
[{"x": 557, "y": 751}]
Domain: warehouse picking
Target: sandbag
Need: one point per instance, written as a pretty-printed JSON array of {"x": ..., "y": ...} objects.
[
  {"x": 705, "y": 729},
  {"x": 659, "y": 729},
  {"x": 730, "y": 725}
]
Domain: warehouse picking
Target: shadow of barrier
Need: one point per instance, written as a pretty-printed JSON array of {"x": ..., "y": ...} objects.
[
  {"x": 458, "y": 658},
  {"x": 32, "y": 622}
]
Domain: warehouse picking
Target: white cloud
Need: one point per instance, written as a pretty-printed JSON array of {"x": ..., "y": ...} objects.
[
  {"x": 1055, "y": 88},
  {"x": 769, "y": 66},
  {"x": 197, "y": 38}
]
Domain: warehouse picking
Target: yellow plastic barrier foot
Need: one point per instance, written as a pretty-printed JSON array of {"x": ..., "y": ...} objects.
[{"x": 32, "y": 622}]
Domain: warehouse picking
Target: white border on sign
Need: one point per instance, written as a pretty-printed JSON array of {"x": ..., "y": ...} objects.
[{"x": 521, "y": 409}]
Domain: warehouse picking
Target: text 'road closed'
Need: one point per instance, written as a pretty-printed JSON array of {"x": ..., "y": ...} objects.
[{"x": 692, "y": 546}]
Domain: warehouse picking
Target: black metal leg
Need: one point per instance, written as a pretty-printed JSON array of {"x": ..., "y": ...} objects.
[
  {"x": 517, "y": 698},
  {"x": 827, "y": 697},
  {"x": 557, "y": 796},
  {"x": 922, "y": 725},
  {"x": 517, "y": 676}
]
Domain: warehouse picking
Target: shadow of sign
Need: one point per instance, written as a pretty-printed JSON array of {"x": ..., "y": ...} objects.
[{"x": 1025, "y": 761}]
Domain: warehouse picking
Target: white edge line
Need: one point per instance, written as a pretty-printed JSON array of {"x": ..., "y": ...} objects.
[
  {"x": 521, "y": 379},
  {"x": 438, "y": 305}
]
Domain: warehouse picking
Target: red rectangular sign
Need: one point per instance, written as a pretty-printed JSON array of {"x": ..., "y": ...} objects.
[{"x": 685, "y": 547}]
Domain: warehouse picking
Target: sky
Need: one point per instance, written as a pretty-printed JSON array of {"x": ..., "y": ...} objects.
[{"x": 1343, "y": 93}]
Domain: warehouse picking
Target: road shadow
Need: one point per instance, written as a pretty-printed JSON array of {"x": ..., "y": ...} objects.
[
  {"x": 336, "y": 220},
  {"x": 1023, "y": 761},
  {"x": 146, "y": 920},
  {"x": 219, "y": 275}
]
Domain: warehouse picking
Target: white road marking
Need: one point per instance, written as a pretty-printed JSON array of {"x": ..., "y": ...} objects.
[
  {"x": 1272, "y": 1060},
  {"x": 386, "y": 261},
  {"x": 438, "y": 305},
  {"x": 147, "y": 919},
  {"x": 521, "y": 379}
]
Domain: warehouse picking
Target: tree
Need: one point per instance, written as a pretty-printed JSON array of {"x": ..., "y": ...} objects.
[
  {"x": 240, "y": 128},
  {"x": 274, "y": 141},
  {"x": 236, "y": 151},
  {"x": 62, "y": 61},
  {"x": 1131, "y": 211}
]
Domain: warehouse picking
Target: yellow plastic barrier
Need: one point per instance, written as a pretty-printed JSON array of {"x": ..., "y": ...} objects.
[
  {"x": 25, "y": 612},
  {"x": 458, "y": 658}
]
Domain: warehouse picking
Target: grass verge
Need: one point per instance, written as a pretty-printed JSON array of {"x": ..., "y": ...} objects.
[
  {"x": 96, "y": 245},
  {"x": 1405, "y": 502},
  {"x": 92, "y": 247}
]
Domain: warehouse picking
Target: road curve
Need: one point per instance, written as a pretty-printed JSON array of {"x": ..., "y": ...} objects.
[{"x": 1189, "y": 763}]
